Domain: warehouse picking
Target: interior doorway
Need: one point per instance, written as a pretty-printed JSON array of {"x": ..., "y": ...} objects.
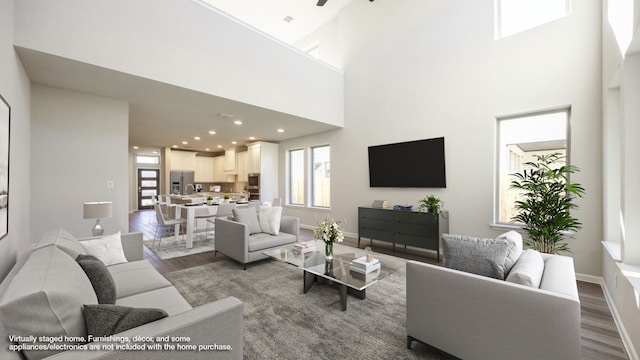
[{"x": 148, "y": 187}]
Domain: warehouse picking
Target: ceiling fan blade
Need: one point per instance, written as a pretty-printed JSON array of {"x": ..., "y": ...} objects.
[{"x": 321, "y": 2}]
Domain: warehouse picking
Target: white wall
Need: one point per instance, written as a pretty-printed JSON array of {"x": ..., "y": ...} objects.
[
  {"x": 422, "y": 69},
  {"x": 79, "y": 142},
  {"x": 180, "y": 42},
  {"x": 15, "y": 88}
]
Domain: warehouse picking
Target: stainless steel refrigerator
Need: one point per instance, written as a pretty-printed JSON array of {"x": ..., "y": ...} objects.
[{"x": 180, "y": 180}]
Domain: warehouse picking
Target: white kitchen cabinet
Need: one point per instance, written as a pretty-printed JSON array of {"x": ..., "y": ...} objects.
[
  {"x": 218, "y": 169},
  {"x": 183, "y": 160},
  {"x": 204, "y": 169},
  {"x": 242, "y": 159},
  {"x": 230, "y": 166},
  {"x": 254, "y": 158},
  {"x": 263, "y": 160}
]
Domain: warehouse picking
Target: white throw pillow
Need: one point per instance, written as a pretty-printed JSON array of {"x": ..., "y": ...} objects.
[
  {"x": 514, "y": 239},
  {"x": 528, "y": 269},
  {"x": 269, "y": 218},
  {"x": 108, "y": 249}
]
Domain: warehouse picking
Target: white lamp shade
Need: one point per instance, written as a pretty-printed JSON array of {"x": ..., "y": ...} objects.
[{"x": 97, "y": 210}]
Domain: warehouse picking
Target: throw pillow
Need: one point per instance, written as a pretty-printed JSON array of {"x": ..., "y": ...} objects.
[
  {"x": 269, "y": 217},
  {"x": 515, "y": 248},
  {"x": 248, "y": 217},
  {"x": 100, "y": 277},
  {"x": 106, "y": 319},
  {"x": 108, "y": 249},
  {"x": 63, "y": 240},
  {"x": 474, "y": 255},
  {"x": 528, "y": 269}
]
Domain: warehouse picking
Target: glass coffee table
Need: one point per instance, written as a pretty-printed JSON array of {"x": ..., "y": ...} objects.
[{"x": 335, "y": 272}]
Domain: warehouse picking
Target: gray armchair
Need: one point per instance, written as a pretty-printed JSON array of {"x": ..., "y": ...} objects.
[{"x": 234, "y": 240}]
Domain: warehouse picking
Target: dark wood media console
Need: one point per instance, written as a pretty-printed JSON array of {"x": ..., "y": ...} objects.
[{"x": 404, "y": 227}]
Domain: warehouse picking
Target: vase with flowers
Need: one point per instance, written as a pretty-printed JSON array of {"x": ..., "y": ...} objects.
[{"x": 330, "y": 232}]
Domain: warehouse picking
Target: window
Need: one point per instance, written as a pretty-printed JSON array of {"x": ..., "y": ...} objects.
[
  {"x": 321, "y": 176},
  {"x": 520, "y": 138},
  {"x": 296, "y": 177},
  {"x": 620, "y": 17},
  {"x": 140, "y": 159},
  {"x": 514, "y": 16}
]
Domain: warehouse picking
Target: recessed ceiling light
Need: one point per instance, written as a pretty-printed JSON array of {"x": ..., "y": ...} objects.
[
  {"x": 174, "y": 146},
  {"x": 212, "y": 132},
  {"x": 252, "y": 137},
  {"x": 237, "y": 122},
  {"x": 219, "y": 146},
  {"x": 185, "y": 143},
  {"x": 196, "y": 138},
  {"x": 207, "y": 149},
  {"x": 135, "y": 147},
  {"x": 280, "y": 130},
  {"x": 234, "y": 142}
]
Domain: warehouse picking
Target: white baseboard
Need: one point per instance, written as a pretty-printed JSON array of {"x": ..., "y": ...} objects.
[{"x": 624, "y": 335}]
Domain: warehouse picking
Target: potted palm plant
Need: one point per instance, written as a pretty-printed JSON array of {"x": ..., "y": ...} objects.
[{"x": 547, "y": 197}]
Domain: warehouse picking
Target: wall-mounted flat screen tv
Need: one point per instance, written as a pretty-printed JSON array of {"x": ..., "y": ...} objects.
[{"x": 411, "y": 164}]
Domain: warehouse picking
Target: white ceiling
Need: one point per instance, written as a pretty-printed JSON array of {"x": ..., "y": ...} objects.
[
  {"x": 163, "y": 115},
  {"x": 268, "y": 16}
]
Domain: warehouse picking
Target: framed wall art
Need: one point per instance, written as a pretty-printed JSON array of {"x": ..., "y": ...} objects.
[{"x": 5, "y": 122}]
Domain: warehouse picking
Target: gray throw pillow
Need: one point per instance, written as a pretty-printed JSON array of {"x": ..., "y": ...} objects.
[
  {"x": 107, "y": 319},
  {"x": 484, "y": 257},
  {"x": 100, "y": 277},
  {"x": 249, "y": 217}
]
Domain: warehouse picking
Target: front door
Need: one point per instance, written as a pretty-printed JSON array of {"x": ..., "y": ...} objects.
[{"x": 148, "y": 187}]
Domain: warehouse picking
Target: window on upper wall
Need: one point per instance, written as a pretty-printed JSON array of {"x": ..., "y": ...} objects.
[
  {"x": 514, "y": 16},
  {"x": 296, "y": 177},
  {"x": 321, "y": 176},
  {"x": 620, "y": 17},
  {"x": 520, "y": 139},
  {"x": 140, "y": 159}
]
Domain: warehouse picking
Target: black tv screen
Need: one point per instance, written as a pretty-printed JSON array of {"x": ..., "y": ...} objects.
[{"x": 409, "y": 164}]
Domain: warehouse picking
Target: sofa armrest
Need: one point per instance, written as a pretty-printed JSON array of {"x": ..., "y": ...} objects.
[
  {"x": 472, "y": 316},
  {"x": 132, "y": 246},
  {"x": 217, "y": 323},
  {"x": 232, "y": 239},
  {"x": 290, "y": 225}
]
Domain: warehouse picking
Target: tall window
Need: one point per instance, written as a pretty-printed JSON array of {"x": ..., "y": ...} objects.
[
  {"x": 520, "y": 139},
  {"x": 321, "y": 176},
  {"x": 514, "y": 16},
  {"x": 296, "y": 177}
]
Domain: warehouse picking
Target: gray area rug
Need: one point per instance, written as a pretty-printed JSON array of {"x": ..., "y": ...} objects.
[
  {"x": 170, "y": 248},
  {"x": 281, "y": 322}
]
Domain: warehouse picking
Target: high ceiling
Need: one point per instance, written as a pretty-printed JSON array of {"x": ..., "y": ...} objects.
[
  {"x": 269, "y": 16},
  {"x": 163, "y": 115}
]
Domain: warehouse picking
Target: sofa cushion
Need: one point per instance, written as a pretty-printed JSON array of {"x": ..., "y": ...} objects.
[
  {"x": 108, "y": 249},
  {"x": 249, "y": 217},
  {"x": 64, "y": 241},
  {"x": 264, "y": 241},
  {"x": 107, "y": 319},
  {"x": 528, "y": 269},
  {"x": 100, "y": 277},
  {"x": 475, "y": 255},
  {"x": 514, "y": 239},
  {"x": 136, "y": 277},
  {"x": 269, "y": 217},
  {"x": 46, "y": 298},
  {"x": 167, "y": 299}
]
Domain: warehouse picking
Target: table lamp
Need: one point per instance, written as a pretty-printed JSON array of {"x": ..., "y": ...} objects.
[{"x": 97, "y": 210}]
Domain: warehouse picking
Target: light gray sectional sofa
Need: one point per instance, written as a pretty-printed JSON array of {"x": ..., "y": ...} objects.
[
  {"x": 472, "y": 316},
  {"x": 45, "y": 293}
]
